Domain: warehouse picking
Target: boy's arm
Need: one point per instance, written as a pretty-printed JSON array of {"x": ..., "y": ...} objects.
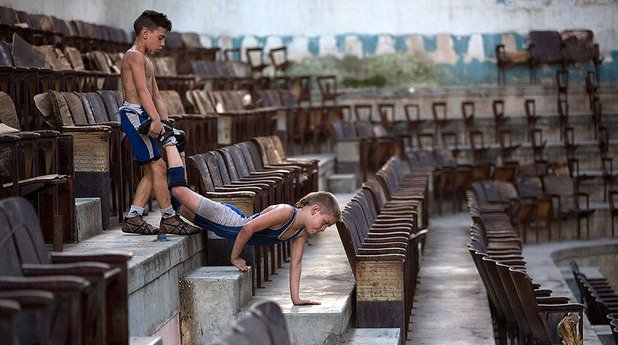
[
  {"x": 296, "y": 259},
  {"x": 158, "y": 101},
  {"x": 276, "y": 216},
  {"x": 138, "y": 72}
]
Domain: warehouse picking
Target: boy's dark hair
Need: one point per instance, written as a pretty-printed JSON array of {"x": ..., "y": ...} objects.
[{"x": 151, "y": 20}]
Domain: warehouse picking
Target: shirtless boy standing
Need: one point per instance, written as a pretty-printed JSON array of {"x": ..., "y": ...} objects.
[{"x": 143, "y": 102}]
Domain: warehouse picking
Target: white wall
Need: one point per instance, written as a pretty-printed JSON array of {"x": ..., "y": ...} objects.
[{"x": 331, "y": 17}]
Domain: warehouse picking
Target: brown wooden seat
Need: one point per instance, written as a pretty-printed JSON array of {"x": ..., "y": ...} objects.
[
  {"x": 279, "y": 59},
  {"x": 507, "y": 146},
  {"x": 612, "y": 199},
  {"x": 413, "y": 119},
  {"x": 538, "y": 143},
  {"x": 264, "y": 321},
  {"x": 467, "y": 115},
  {"x": 480, "y": 152},
  {"x": 531, "y": 116},
  {"x": 506, "y": 59},
  {"x": 35, "y": 166},
  {"x": 91, "y": 144},
  {"x": 105, "y": 316},
  {"x": 440, "y": 116},
  {"x": 28, "y": 321},
  {"x": 273, "y": 154},
  {"x": 255, "y": 58},
  {"x": 566, "y": 201},
  {"x": 197, "y": 126},
  {"x": 579, "y": 48},
  {"x": 534, "y": 309},
  {"x": 545, "y": 48}
]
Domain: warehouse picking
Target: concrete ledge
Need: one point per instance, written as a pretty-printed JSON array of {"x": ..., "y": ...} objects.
[
  {"x": 326, "y": 166},
  {"x": 88, "y": 221},
  {"x": 154, "y": 273},
  {"x": 145, "y": 341},
  {"x": 372, "y": 336},
  {"x": 210, "y": 299},
  {"x": 342, "y": 183}
]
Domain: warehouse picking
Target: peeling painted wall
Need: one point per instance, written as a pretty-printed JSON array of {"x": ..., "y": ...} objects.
[{"x": 459, "y": 35}]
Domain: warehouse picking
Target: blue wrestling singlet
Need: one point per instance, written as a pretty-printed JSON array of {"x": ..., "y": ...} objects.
[{"x": 235, "y": 220}]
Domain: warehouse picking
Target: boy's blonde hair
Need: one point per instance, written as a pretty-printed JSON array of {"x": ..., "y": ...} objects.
[{"x": 327, "y": 201}]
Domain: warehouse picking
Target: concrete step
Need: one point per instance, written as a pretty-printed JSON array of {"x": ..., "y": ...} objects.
[
  {"x": 372, "y": 336},
  {"x": 342, "y": 183},
  {"x": 88, "y": 218},
  {"x": 145, "y": 341},
  {"x": 204, "y": 290}
]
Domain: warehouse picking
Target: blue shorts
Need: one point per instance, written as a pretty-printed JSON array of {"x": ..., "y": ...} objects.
[{"x": 146, "y": 149}]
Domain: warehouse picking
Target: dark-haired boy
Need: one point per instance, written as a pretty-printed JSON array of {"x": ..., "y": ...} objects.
[{"x": 142, "y": 102}]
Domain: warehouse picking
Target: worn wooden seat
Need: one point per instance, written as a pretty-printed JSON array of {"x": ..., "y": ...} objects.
[
  {"x": 566, "y": 202},
  {"x": 273, "y": 154},
  {"x": 538, "y": 143},
  {"x": 480, "y": 151},
  {"x": 263, "y": 321},
  {"x": 506, "y": 58},
  {"x": 279, "y": 59},
  {"x": 579, "y": 48},
  {"x": 531, "y": 116},
  {"x": 36, "y": 165},
  {"x": 545, "y": 48},
  {"x": 380, "y": 301},
  {"x": 534, "y": 309},
  {"x": 33, "y": 324},
  {"x": 255, "y": 58},
  {"x": 440, "y": 116},
  {"x": 106, "y": 307},
  {"x": 66, "y": 113}
]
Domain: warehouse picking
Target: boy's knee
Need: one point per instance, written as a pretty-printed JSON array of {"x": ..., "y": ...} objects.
[{"x": 176, "y": 178}]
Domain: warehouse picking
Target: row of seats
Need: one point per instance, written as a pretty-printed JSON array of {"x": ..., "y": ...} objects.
[
  {"x": 597, "y": 295},
  {"x": 383, "y": 232},
  {"x": 28, "y": 70},
  {"x": 40, "y": 29},
  {"x": 536, "y": 201},
  {"x": 521, "y": 310}
]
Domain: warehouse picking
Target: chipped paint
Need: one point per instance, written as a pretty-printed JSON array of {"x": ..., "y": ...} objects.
[{"x": 463, "y": 58}]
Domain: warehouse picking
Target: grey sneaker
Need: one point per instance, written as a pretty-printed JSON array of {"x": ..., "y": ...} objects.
[
  {"x": 176, "y": 226},
  {"x": 137, "y": 225}
]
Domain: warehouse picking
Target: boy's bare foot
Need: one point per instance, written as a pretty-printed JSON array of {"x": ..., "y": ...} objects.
[
  {"x": 176, "y": 226},
  {"x": 137, "y": 225}
]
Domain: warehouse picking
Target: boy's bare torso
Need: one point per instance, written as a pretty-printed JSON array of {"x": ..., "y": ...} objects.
[{"x": 129, "y": 90}]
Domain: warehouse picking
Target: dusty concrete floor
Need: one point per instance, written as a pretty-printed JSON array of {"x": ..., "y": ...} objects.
[{"x": 450, "y": 305}]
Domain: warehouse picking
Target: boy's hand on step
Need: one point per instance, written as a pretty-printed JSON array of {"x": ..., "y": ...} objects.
[
  {"x": 240, "y": 264},
  {"x": 305, "y": 302}
]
